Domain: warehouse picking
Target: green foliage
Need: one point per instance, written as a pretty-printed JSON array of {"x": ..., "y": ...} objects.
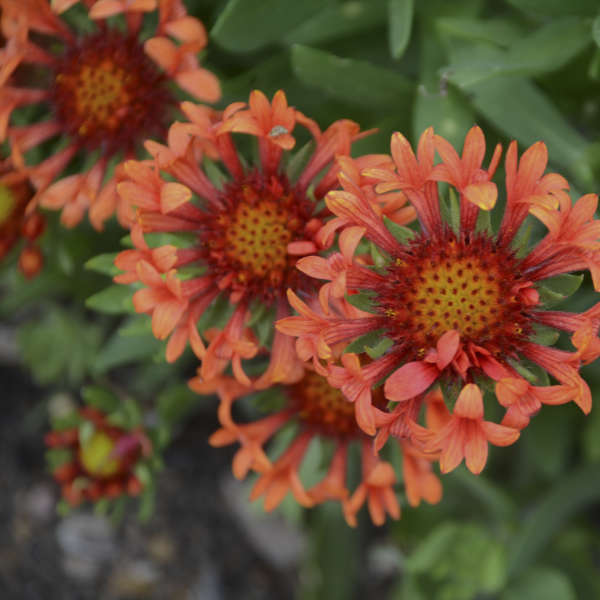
[
  {"x": 400, "y": 19},
  {"x": 60, "y": 347},
  {"x": 556, "y": 289},
  {"x": 114, "y": 300},
  {"x": 246, "y": 25},
  {"x": 463, "y": 560},
  {"x": 362, "y": 300},
  {"x": 542, "y": 582},
  {"x": 349, "y": 79}
]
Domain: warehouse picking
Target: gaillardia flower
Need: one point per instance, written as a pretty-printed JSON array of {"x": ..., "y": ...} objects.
[
  {"x": 457, "y": 304},
  {"x": 106, "y": 89},
  {"x": 16, "y": 223},
  {"x": 318, "y": 412},
  {"x": 246, "y": 227},
  {"x": 102, "y": 458}
]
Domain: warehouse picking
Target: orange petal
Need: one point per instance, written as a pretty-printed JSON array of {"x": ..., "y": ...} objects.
[
  {"x": 476, "y": 450},
  {"x": 187, "y": 29},
  {"x": 499, "y": 435},
  {"x": 162, "y": 51},
  {"x": 470, "y": 403},
  {"x": 201, "y": 84},
  {"x": 410, "y": 380},
  {"x": 483, "y": 195},
  {"x": 173, "y": 195}
]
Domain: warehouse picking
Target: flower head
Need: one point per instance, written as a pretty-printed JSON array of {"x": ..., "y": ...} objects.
[
  {"x": 318, "y": 411},
  {"x": 16, "y": 223},
  {"x": 455, "y": 303},
  {"x": 101, "y": 458},
  {"x": 106, "y": 91},
  {"x": 247, "y": 225}
]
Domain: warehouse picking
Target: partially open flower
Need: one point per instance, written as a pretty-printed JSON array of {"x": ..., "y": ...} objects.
[
  {"x": 318, "y": 412},
  {"x": 17, "y": 225},
  {"x": 102, "y": 460},
  {"x": 106, "y": 90}
]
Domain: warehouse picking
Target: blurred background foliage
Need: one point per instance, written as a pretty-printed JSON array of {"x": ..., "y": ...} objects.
[{"x": 522, "y": 69}]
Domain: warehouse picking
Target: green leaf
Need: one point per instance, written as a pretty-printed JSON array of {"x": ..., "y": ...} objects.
[
  {"x": 523, "y": 370},
  {"x": 571, "y": 493},
  {"x": 447, "y": 112},
  {"x": 144, "y": 474},
  {"x": 520, "y": 110},
  {"x": 128, "y": 416},
  {"x": 547, "y": 49},
  {"x": 379, "y": 259},
  {"x": 246, "y": 25},
  {"x": 264, "y": 328},
  {"x": 546, "y": 336},
  {"x": 147, "y": 503},
  {"x": 551, "y": 46},
  {"x": 400, "y": 18},
  {"x": 352, "y": 80},
  {"x": 333, "y": 552},
  {"x": 432, "y": 548},
  {"x": 101, "y": 506},
  {"x": 491, "y": 496},
  {"x": 100, "y": 398},
  {"x": 176, "y": 403},
  {"x": 56, "y": 457},
  {"x": 86, "y": 431},
  {"x": 401, "y": 233},
  {"x": 103, "y": 263},
  {"x": 333, "y": 22},
  {"x": 544, "y": 583},
  {"x": 450, "y": 208},
  {"x": 556, "y": 8},
  {"x": 59, "y": 345},
  {"x": 591, "y": 436},
  {"x": 380, "y": 348},
  {"x": 363, "y": 300},
  {"x": 63, "y": 508},
  {"x": 359, "y": 345},
  {"x": 114, "y": 300},
  {"x": 565, "y": 284},
  {"x": 596, "y": 30},
  {"x": 299, "y": 161},
  {"x": 501, "y": 32},
  {"x": 549, "y": 442},
  {"x": 123, "y": 349},
  {"x": 408, "y": 589},
  {"x": 556, "y": 289}
]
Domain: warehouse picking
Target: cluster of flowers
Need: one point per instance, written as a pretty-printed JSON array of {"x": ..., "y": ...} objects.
[{"x": 411, "y": 309}]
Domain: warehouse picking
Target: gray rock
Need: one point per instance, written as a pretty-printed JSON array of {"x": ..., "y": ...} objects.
[
  {"x": 274, "y": 538},
  {"x": 87, "y": 543}
]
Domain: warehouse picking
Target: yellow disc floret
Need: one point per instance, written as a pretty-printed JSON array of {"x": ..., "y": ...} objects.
[
  {"x": 466, "y": 285},
  {"x": 95, "y": 455},
  {"x": 257, "y": 237},
  {"x": 456, "y": 294},
  {"x": 7, "y": 203}
]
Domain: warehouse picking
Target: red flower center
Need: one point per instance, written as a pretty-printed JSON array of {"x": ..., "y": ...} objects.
[
  {"x": 324, "y": 408},
  {"x": 108, "y": 93},
  {"x": 467, "y": 285},
  {"x": 250, "y": 236}
]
